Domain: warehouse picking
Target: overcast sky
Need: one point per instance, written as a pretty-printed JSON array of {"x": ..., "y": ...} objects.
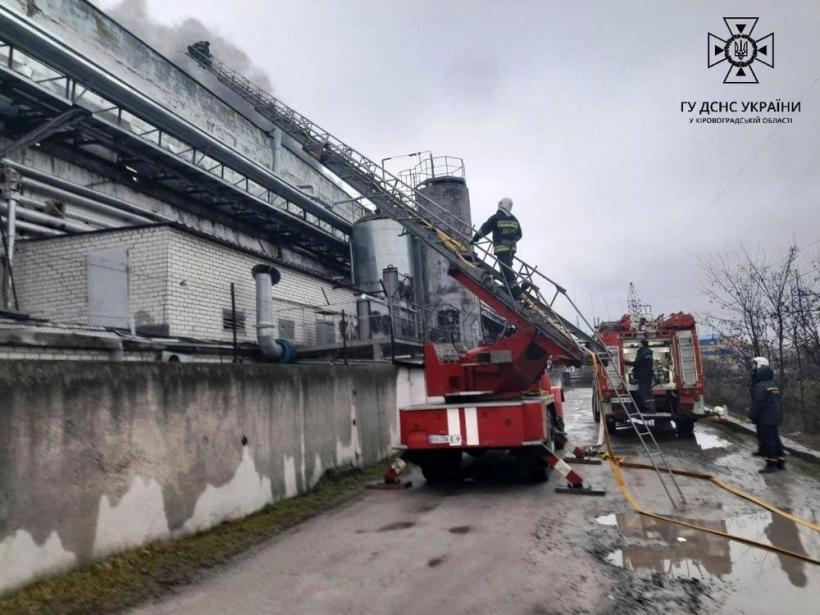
[{"x": 570, "y": 108}]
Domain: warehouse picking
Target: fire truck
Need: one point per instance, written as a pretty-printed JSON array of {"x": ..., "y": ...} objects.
[
  {"x": 492, "y": 397},
  {"x": 678, "y": 372}
]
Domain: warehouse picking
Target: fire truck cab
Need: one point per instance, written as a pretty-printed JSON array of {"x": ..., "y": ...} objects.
[{"x": 678, "y": 372}]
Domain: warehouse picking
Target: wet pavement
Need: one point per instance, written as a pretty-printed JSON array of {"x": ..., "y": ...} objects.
[
  {"x": 755, "y": 580},
  {"x": 497, "y": 544}
]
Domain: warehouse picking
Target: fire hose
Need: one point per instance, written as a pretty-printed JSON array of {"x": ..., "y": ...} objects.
[{"x": 616, "y": 463}]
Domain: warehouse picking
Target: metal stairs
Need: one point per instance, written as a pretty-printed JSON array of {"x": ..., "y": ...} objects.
[{"x": 422, "y": 217}]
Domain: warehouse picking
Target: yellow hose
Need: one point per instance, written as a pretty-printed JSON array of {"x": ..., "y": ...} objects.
[{"x": 615, "y": 464}]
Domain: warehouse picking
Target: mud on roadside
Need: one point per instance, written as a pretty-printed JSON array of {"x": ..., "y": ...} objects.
[{"x": 647, "y": 593}]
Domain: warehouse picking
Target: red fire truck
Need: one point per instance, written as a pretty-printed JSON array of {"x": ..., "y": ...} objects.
[
  {"x": 494, "y": 397},
  {"x": 678, "y": 370}
]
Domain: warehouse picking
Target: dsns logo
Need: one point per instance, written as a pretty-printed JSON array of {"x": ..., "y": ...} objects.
[{"x": 740, "y": 50}]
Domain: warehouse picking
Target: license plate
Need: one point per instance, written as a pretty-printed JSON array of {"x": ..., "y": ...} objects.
[{"x": 436, "y": 439}]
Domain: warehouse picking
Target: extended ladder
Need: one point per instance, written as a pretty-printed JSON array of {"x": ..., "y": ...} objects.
[
  {"x": 429, "y": 222},
  {"x": 636, "y": 418},
  {"x": 422, "y": 217}
]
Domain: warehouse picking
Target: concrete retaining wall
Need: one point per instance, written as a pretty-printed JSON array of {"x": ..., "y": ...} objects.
[{"x": 99, "y": 457}]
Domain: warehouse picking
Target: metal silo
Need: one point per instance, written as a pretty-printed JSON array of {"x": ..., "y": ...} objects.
[
  {"x": 448, "y": 305},
  {"x": 376, "y": 243}
]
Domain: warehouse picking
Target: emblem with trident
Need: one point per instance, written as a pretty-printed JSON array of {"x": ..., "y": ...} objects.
[{"x": 741, "y": 49}]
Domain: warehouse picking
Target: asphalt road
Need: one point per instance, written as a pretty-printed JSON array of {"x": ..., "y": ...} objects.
[{"x": 496, "y": 544}]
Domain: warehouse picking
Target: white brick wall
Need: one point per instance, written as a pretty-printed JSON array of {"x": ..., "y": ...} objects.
[
  {"x": 200, "y": 274},
  {"x": 51, "y": 275},
  {"x": 174, "y": 278}
]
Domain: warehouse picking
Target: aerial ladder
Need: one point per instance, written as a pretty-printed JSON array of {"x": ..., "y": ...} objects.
[{"x": 509, "y": 370}]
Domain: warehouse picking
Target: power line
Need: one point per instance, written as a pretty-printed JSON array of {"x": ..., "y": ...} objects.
[{"x": 730, "y": 182}]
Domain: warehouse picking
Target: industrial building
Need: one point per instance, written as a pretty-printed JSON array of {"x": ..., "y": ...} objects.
[{"x": 137, "y": 201}]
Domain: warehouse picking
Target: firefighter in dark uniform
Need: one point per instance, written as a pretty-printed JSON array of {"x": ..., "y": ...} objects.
[
  {"x": 643, "y": 368},
  {"x": 506, "y": 232},
  {"x": 201, "y": 50},
  {"x": 766, "y": 412},
  {"x": 756, "y": 362}
]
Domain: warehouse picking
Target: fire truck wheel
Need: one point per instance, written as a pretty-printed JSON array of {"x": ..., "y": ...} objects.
[
  {"x": 685, "y": 427},
  {"x": 434, "y": 472},
  {"x": 437, "y": 467},
  {"x": 611, "y": 424},
  {"x": 595, "y": 413},
  {"x": 537, "y": 472}
]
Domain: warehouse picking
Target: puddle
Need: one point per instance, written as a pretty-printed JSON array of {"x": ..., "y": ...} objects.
[
  {"x": 763, "y": 581},
  {"x": 398, "y": 525},
  {"x": 436, "y": 561},
  {"x": 610, "y": 520},
  {"x": 460, "y": 529},
  {"x": 708, "y": 440}
]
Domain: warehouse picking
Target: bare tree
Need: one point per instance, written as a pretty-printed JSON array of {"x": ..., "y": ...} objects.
[
  {"x": 804, "y": 312},
  {"x": 740, "y": 316},
  {"x": 771, "y": 309},
  {"x": 773, "y": 282}
]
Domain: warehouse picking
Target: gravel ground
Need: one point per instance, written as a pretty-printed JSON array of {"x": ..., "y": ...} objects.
[{"x": 496, "y": 544}]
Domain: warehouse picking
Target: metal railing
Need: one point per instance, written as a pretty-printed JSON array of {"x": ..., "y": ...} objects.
[
  {"x": 433, "y": 167},
  {"x": 424, "y": 218},
  {"x": 369, "y": 319},
  {"x": 63, "y": 86}
]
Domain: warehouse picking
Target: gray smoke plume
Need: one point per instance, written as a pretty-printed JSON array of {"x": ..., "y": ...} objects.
[{"x": 172, "y": 40}]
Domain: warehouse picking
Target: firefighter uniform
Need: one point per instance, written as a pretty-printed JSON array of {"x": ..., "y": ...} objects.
[
  {"x": 506, "y": 231},
  {"x": 766, "y": 412},
  {"x": 643, "y": 368}
]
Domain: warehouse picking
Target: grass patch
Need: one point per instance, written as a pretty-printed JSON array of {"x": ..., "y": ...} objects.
[{"x": 137, "y": 575}]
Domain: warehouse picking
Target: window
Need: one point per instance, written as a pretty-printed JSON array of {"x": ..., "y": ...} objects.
[
  {"x": 287, "y": 329},
  {"x": 228, "y": 320}
]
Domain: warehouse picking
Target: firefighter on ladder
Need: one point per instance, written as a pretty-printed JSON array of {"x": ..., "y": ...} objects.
[
  {"x": 201, "y": 50},
  {"x": 506, "y": 231}
]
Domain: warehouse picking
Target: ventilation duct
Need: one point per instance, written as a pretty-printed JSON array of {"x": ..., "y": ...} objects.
[{"x": 272, "y": 349}]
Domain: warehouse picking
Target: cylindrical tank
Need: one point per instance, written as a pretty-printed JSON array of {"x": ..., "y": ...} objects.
[
  {"x": 448, "y": 305},
  {"x": 376, "y": 243}
]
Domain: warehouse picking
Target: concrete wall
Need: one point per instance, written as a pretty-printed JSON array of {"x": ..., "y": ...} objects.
[
  {"x": 99, "y": 457},
  {"x": 176, "y": 280}
]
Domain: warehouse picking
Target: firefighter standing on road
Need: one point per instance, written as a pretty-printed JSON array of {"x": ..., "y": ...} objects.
[
  {"x": 766, "y": 412},
  {"x": 756, "y": 362},
  {"x": 643, "y": 368},
  {"x": 506, "y": 232}
]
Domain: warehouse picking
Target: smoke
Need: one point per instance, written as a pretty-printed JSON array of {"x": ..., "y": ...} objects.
[{"x": 172, "y": 41}]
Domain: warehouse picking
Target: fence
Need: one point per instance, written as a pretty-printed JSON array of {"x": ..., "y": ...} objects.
[{"x": 367, "y": 320}]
